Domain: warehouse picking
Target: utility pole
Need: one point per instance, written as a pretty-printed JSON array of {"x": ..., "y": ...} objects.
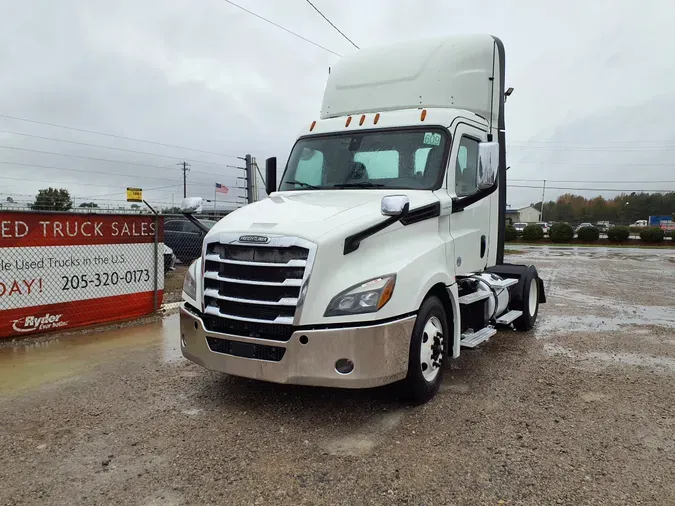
[
  {"x": 541, "y": 211},
  {"x": 254, "y": 171},
  {"x": 185, "y": 170},
  {"x": 249, "y": 179}
]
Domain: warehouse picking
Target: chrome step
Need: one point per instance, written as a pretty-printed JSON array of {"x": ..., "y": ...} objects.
[
  {"x": 509, "y": 317},
  {"x": 472, "y": 297},
  {"x": 471, "y": 340}
]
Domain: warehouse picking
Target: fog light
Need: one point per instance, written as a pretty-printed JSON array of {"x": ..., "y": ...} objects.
[{"x": 344, "y": 366}]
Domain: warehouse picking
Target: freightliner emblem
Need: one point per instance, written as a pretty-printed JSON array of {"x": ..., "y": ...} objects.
[{"x": 257, "y": 239}]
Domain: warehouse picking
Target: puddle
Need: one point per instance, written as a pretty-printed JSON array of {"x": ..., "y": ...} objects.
[
  {"x": 656, "y": 364},
  {"x": 31, "y": 364},
  {"x": 621, "y": 316}
]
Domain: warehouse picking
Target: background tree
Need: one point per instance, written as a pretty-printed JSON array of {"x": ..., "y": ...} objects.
[
  {"x": 88, "y": 204},
  {"x": 623, "y": 209},
  {"x": 52, "y": 199}
]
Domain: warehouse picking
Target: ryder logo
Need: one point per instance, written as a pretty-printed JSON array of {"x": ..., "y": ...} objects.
[{"x": 33, "y": 323}]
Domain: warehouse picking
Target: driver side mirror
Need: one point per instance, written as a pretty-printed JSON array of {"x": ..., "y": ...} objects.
[
  {"x": 395, "y": 205},
  {"x": 488, "y": 164},
  {"x": 271, "y": 175}
]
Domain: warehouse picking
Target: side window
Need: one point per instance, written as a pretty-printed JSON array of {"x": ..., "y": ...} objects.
[
  {"x": 310, "y": 167},
  {"x": 190, "y": 227},
  {"x": 466, "y": 167},
  {"x": 379, "y": 164},
  {"x": 172, "y": 226}
]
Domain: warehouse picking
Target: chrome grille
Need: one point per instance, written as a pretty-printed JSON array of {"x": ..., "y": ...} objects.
[{"x": 256, "y": 284}]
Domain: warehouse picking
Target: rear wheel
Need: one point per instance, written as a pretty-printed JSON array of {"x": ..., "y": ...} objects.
[
  {"x": 529, "y": 303},
  {"x": 428, "y": 350}
]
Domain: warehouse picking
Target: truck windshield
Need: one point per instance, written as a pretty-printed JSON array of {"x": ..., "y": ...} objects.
[{"x": 409, "y": 159}]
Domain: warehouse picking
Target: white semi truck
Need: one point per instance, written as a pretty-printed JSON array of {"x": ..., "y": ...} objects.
[{"x": 380, "y": 254}]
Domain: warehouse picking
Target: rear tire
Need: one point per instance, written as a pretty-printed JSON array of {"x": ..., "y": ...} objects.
[
  {"x": 428, "y": 351},
  {"x": 530, "y": 301}
]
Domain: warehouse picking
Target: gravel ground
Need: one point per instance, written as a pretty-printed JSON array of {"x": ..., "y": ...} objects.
[{"x": 578, "y": 411}]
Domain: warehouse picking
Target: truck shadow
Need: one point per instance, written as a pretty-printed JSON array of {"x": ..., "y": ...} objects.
[{"x": 470, "y": 373}]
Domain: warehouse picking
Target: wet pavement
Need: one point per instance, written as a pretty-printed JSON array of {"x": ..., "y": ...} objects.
[{"x": 578, "y": 411}]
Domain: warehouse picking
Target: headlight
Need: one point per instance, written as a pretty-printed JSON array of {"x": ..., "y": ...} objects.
[
  {"x": 190, "y": 283},
  {"x": 366, "y": 297}
]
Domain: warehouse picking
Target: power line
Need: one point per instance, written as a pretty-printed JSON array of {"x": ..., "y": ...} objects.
[
  {"x": 637, "y": 141},
  {"x": 87, "y": 171},
  {"x": 77, "y": 183},
  {"x": 640, "y": 181},
  {"x": 625, "y": 190},
  {"x": 108, "y": 160},
  {"x": 55, "y": 139},
  {"x": 135, "y": 139},
  {"x": 282, "y": 28},
  {"x": 575, "y": 164},
  {"x": 331, "y": 24}
]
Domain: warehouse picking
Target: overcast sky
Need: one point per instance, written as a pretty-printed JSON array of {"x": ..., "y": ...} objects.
[{"x": 593, "y": 87}]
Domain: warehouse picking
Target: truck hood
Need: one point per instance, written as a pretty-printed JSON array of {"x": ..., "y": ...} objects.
[{"x": 311, "y": 214}]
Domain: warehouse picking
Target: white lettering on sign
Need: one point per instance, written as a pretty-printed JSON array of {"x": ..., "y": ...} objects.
[
  {"x": 33, "y": 323},
  {"x": 13, "y": 229},
  {"x": 133, "y": 230}
]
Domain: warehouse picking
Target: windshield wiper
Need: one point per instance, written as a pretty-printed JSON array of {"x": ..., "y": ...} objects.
[
  {"x": 361, "y": 184},
  {"x": 304, "y": 185}
]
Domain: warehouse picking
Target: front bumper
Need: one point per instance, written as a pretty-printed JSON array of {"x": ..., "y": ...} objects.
[{"x": 379, "y": 353}]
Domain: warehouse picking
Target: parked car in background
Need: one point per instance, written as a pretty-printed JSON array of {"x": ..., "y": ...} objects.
[
  {"x": 185, "y": 238},
  {"x": 582, "y": 225},
  {"x": 544, "y": 226},
  {"x": 603, "y": 226},
  {"x": 519, "y": 227},
  {"x": 639, "y": 224},
  {"x": 169, "y": 259}
]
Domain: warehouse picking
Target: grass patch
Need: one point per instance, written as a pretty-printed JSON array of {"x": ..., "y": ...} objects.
[{"x": 509, "y": 251}]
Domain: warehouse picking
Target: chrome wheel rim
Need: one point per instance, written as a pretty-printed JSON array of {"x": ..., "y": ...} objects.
[{"x": 431, "y": 352}]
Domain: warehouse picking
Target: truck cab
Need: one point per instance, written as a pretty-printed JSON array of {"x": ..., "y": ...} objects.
[{"x": 379, "y": 255}]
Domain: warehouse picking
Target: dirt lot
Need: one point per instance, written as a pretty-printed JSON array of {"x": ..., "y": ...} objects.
[{"x": 579, "y": 411}]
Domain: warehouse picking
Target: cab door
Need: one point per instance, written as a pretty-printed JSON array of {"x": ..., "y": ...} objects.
[{"x": 469, "y": 224}]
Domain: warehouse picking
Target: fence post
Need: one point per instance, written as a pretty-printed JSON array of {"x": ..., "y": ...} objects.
[{"x": 156, "y": 264}]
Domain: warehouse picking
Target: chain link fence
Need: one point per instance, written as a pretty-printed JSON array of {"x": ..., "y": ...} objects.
[{"x": 60, "y": 270}]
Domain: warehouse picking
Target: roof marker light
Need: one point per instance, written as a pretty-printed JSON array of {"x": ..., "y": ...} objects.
[
  {"x": 349, "y": 120},
  {"x": 363, "y": 118},
  {"x": 311, "y": 127},
  {"x": 377, "y": 118},
  {"x": 423, "y": 115}
]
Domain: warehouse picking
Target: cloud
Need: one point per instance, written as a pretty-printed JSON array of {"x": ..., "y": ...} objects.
[{"x": 208, "y": 76}]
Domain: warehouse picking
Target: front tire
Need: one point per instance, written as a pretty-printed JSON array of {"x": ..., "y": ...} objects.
[{"x": 428, "y": 351}]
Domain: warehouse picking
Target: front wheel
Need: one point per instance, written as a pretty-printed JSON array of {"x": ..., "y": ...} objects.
[{"x": 428, "y": 350}]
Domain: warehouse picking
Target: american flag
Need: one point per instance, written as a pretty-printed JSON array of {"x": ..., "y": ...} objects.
[{"x": 222, "y": 188}]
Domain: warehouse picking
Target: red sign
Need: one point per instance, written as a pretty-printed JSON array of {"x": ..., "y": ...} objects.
[{"x": 63, "y": 270}]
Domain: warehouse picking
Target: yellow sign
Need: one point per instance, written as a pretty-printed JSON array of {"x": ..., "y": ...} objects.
[{"x": 134, "y": 195}]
